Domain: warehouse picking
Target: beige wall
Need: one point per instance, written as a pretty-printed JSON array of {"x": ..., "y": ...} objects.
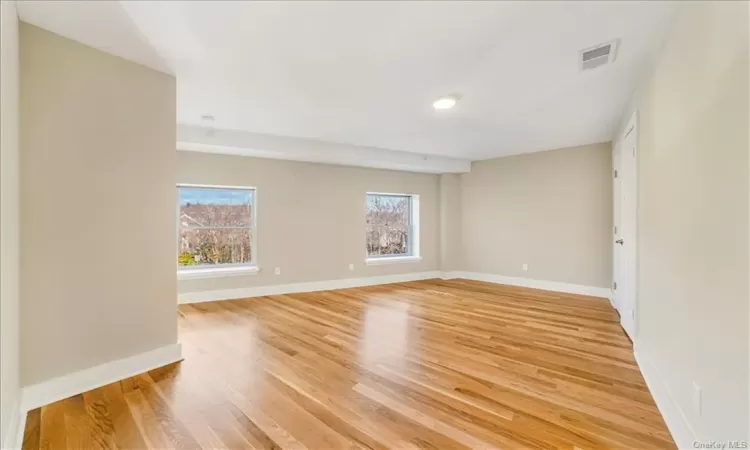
[
  {"x": 693, "y": 216},
  {"x": 9, "y": 218},
  {"x": 311, "y": 217},
  {"x": 97, "y": 207},
  {"x": 551, "y": 210},
  {"x": 450, "y": 221}
]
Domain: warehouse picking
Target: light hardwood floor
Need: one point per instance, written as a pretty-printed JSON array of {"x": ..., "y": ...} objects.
[{"x": 426, "y": 364}]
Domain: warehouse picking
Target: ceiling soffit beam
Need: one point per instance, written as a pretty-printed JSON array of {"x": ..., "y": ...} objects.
[{"x": 230, "y": 142}]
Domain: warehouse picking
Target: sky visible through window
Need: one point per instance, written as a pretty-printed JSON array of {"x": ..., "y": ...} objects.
[
  {"x": 210, "y": 196},
  {"x": 387, "y": 200}
]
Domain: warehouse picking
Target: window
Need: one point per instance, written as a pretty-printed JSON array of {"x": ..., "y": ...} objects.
[
  {"x": 216, "y": 228},
  {"x": 392, "y": 231}
]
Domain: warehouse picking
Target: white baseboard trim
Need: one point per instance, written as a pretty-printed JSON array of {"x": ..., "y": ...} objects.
[
  {"x": 260, "y": 291},
  {"x": 535, "y": 284},
  {"x": 14, "y": 433},
  {"x": 76, "y": 383},
  {"x": 21, "y": 428},
  {"x": 678, "y": 425}
]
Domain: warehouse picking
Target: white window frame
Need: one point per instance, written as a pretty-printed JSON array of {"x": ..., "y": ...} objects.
[
  {"x": 413, "y": 238},
  {"x": 222, "y": 270}
]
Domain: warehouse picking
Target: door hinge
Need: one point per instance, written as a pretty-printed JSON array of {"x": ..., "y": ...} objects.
[
  {"x": 614, "y": 285},
  {"x": 615, "y": 229},
  {"x": 615, "y": 174}
]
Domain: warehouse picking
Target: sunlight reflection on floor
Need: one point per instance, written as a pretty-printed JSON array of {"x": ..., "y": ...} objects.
[{"x": 385, "y": 334}]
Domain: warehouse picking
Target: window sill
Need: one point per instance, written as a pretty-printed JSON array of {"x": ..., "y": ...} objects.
[
  {"x": 216, "y": 272},
  {"x": 392, "y": 260}
]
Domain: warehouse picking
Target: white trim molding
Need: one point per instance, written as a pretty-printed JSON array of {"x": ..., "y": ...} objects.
[
  {"x": 16, "y": 425},
  {"x": 392, "y": 260},
  {"x": 580, "y": 289},
  {"x": 85, "y": 380},
  {"x": 216, "y": 272},
  {"x": 677, "y": 423},
  {"x": 261, "y": 291}
]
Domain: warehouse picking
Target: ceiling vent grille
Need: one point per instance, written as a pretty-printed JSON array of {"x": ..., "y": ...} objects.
[{"x": 593, "y": 57}]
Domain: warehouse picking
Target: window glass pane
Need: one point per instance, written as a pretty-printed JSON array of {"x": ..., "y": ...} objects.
[
  {"x": 388, "y": 225},
  {"x": 206, "y": 246},
  {"x": 207, "y": 207}
]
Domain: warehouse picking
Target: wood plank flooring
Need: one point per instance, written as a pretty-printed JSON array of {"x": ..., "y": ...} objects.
[{"x": 427, "y": 364}]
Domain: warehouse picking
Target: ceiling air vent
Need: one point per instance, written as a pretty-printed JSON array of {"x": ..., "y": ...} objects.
[{"x": 593, "y": 57}]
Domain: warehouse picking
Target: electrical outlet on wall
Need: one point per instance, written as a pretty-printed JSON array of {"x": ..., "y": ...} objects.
[
  {"x": 524, "y": 267},
  {"x": 351, "y": 266},
  {"x": 697, "y": 399},
  {"x": 277, "y": 271}
]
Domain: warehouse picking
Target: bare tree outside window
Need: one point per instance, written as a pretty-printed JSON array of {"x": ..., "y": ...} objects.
[
  {"x": 216, "y": 226},
  {"x": 388, "y": 225}
]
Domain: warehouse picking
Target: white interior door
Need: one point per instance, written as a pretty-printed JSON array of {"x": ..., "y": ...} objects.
[
  {"x": 617, "y": 251},
  {"x": 624, "y": 286}
]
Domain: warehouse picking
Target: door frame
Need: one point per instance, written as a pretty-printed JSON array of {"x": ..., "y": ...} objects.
[
  {"x": 630, "y": 128},
  {"x": 615, "y": 299}
]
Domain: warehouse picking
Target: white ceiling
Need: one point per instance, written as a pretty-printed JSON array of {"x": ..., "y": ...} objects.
[{"x": 366, "y": 73}]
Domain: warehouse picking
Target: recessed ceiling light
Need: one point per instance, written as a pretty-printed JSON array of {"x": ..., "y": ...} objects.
[{"x": 445, "y": 102}]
